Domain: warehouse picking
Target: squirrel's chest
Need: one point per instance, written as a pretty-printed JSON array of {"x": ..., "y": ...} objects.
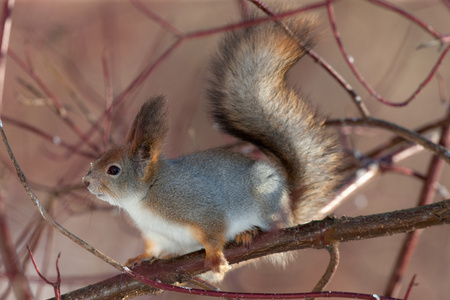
[{"x": 168, "y": 237}]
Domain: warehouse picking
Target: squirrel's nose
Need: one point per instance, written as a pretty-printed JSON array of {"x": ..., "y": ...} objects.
[{"x": 86, "y": 182}]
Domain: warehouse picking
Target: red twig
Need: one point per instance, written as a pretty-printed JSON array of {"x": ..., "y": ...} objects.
[
  {"x": 398, "y": 130},
  {"x": 6, "y": 23},
  {"x": 360, "y": 77},
  {"x": 403, "y": 259},
  {"x": 57, "y": 284},
  {"x": 343, "y": 83},
  {"x": 326, "y": 66},
  {"x": 142, "y": 77},
  {"x": 17, "y": 278},
  {"x": 435, "y": 169},
  {"x": 426, "y": 197},
  {"x": 221, "y": 294},
  {"x": 425, "y": 26},
  {"x": 166, "y": 25},
  {"x": 401, "y": 170},
  {"x": 193, "y": 35},
  {"x": 198, "y": 34},
  {"x": 408, "y": 291}
]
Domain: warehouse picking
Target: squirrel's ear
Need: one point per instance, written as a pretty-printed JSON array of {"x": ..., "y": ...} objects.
[{"x": 149, "y": 130}]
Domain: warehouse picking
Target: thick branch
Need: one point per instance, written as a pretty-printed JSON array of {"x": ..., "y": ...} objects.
[{"x": 317, "y": 234}]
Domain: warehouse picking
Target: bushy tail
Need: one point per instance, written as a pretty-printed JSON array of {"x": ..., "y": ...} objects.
[{"x": 250, "y": 100}]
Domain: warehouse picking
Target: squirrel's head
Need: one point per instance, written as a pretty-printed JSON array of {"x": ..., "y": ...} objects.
[
  {"x": 125, "y": 172},
  {"x": 114, "y": 177}
]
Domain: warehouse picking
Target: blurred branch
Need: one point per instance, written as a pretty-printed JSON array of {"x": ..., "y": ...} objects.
[
  {"x": 16, "y": 276},
  {"x": 6, "y": 23},
  {"x": 427, "y": 130},
  {"x": 55, "y": 140},
  {"x": 62, "y": 113},
  {"x": 47, "y": 217},
  {"x": 17, "y": 279},
  {"x": 399, "y": 130},
  {"x": 108, "y": 95},
  {"x": 166, "y": 25}
]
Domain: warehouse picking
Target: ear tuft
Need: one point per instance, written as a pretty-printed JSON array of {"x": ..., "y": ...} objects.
[{"x": 149, "y": 129}]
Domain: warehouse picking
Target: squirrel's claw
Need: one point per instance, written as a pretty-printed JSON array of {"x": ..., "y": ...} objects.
[
  {"x": 247, "y": 236},
  {"x": 135, "y": 261}
]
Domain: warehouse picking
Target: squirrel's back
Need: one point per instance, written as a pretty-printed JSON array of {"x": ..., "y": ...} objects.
[{"x": 251, "y": 100}]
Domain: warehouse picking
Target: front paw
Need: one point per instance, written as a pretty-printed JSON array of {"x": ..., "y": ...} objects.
[{"x": 135, "y": 261}]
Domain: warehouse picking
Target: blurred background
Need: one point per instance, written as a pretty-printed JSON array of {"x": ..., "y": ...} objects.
[{"x": 84, "y": 54}]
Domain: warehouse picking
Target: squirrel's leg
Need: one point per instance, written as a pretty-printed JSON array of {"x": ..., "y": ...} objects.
[
  {"x": 213, "y": 242},
  {"x": 247, "y": 236},
  {"x": 148, "y": 254}
]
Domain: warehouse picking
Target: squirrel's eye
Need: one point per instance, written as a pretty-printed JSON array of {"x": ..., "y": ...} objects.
[{"x": 113, "y": 170}]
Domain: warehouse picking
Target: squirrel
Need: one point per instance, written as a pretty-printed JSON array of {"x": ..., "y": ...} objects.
[{"x": 210, "y": 198}]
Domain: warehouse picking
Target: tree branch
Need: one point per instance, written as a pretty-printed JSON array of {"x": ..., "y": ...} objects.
[
  {"x": 400, "y": 131},
  {"x": 317, "y": 234}
]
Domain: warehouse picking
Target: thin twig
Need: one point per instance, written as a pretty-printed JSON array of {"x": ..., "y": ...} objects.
[
  {"x": 57, "y": 284},
  {"x": 376, "y": 163},
  {"x": 49, "y": 234},
  {"x": 318, "y": 59},
  {"x": 6, "y": 23},
  {"x": 352, "y": 184},
  {"x": 62, "y": 113},
  {"x": 55, "y": 140},
  {"x": 166, "y": 25},
  {"x": 19, "y": 282},
  {"x": 71, "y": 91},
  {"x": 203, "y": 33},
  {"x": 138, "y": 83},
  {"x": 426, "y": 197},
  {"x": 333, "y": 250},
  {"x": 425, "y": 26},
  {"x": 410, "y": 286},
  {"x": 360, "y": 77},
  {"x": 47, "y": 217},
  {"x": 17, "y": 278},
  {"x": 399, "y": 130},
  {"x": 429, "y": 129}
]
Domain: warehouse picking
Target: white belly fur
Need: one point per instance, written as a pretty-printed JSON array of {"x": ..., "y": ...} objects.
[
  {"x": 167, "y": 237},
  {"x": 170, "y": 238}
]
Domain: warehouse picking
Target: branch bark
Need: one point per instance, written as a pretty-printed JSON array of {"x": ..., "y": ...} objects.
[{"x": 317, "y": 234}]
